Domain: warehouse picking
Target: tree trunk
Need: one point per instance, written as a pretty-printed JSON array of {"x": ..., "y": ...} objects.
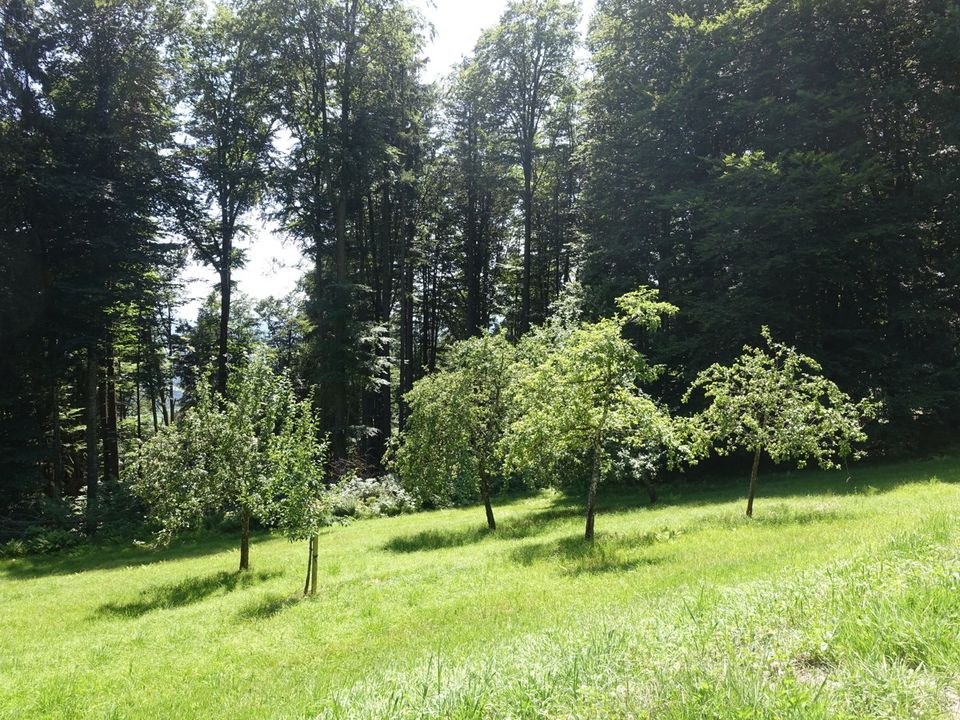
[
  {"x": 137, "y": 383},
  {"x": 592, "y": 496},
  {"x": 173, "y": 401},
  {"x": 306, "y": 582},
  {"x": 651, "y": 491},
  {"x": 485, "y": 489},
  {"x": 112, "y": 439},
  {"x": 595, "y": 473},
  {"x": 224, "y": 333},
  {"x": 56, "y": 439},
  {"x": 753, "y": 482},
  {"x": 153, "y": 411},
  {"x": 92, "y": 441},
  {"x": 314, "y": 552},
  {"x": 406, "y": 322},
  {"x": 527, "y": 241},
  {"x": 244, "y": 540}
]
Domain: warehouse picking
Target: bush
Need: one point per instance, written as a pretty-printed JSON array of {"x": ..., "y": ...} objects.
[
  {"x": 41, "y": 541},
  {"x": 356, "y": 497}
]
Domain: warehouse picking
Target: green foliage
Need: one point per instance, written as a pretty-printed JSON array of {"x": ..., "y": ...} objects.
[
  {"x": 41, "y": 541},
  {"x": 577, "y": 393},
  {"x": 255, "y": 453},
  {"x": 776, "y": 400},
  {"x": 791, "y": 163},
  {"x": 448, "y": 452}
]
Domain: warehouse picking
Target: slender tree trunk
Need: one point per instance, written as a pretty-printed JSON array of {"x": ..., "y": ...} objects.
[
  {"x": 595, "y": 473},
  {"x": 112, "y": 439},
  {"x": 338, "y": 441},
  {"x": 406, "y": 322},
  {"x": 224, "y": 332},
  {"x": 137, "y": 383},
  {"x": 753, "y": 482},
  {"x": 244, "y": 540},
  {"x": 153, "y": 411},
  {"x": 527, "y": 240},
  {"x": 173, "y": 402},
  {"x": 57, "y": 439},
  {"x": 314, "y": 559},
  {"x": 592, "y": 496},
  {"x": 306, "y": 582},
  {"x": 485, "y": 490},
  {"x": 92, "y": 441},
  {"x": 651, "y": 491},
  {"x": 163, "y": 403}
]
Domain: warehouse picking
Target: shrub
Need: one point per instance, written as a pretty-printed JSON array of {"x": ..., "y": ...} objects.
[{"x": 356, "y": 497}]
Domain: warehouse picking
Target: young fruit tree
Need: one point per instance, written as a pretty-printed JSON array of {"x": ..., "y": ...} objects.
[
  {"x": 239, "y": 455},
  {"x": 577, "y": 394},
  {"x": 449, "y": 449},
  {"x": 297, "y": 500},
  {"x": 775, "y": 400}
]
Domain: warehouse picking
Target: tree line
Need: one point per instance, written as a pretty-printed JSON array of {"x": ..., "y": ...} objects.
[{"x": 791, "y": 164}]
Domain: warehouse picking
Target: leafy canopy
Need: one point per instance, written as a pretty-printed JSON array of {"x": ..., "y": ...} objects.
[
  {"x": 449, "y": 449},
  {"x": 578, "y": 388},
  {"x": 259, "y": 455},
  {"x": 777, "y": 400}
]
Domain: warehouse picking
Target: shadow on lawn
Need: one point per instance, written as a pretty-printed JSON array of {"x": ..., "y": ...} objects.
[
  {"x": 606, "y": 554},
  {"x": 513, "y": 529},
  {"x": 187, "y": 592},
  {"x": 784, "y": 484},
  {"x": 269, "y": 606},
  {"x": 109, "y": 557}
]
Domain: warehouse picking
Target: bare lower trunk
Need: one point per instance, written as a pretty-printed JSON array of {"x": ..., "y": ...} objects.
[
  {"x": 223, "y": 333},
  {"x": 173, "y": 402},
  {"x": 592, "y": 497},
  {"x": 314, "y": 552},
  {"x": 111, "y": 442},
  {"x": 753, "y": 482},
  {"x": 527, "y": 242},
  {"x": 306, "y": 582},
  {"x": 595, "y": 472},
  {"x": 57, "y": 440},
  {"x": 244, "y": 540},
  {"x": 485, "y": 489},
  {"x": 92, "y": 441},
  {"x": 651, "y": 491}
]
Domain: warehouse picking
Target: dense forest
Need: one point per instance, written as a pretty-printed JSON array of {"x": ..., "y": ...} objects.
[{"x": 785, "y": 163}]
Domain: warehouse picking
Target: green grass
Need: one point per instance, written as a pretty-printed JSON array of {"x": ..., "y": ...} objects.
[{"x": 839, "y": 600}]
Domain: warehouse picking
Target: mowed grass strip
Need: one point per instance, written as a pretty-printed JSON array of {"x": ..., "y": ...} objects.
[{"x": 840, "y": 599}]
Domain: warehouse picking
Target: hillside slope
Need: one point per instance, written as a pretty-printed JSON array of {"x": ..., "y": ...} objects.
[{"x": 841, "y": 599}]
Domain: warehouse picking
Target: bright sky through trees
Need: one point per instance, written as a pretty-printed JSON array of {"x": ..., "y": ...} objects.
[{"x": 272, "y": 265}]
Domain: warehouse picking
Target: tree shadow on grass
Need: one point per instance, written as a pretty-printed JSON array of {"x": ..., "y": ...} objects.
[
  {"x": 186, "y": 592},
  {"x": 99, "y": 556},
  {"x": 513, "y": 529},
  {"x": 606, "y": 554},
  {"x": 784, "y": 483},
  {"x": 269, "y": 606},
  {"x": 775, "y": 514}
]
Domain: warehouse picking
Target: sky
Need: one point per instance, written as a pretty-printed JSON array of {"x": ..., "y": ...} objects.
[{"x": 274, "y": 264}]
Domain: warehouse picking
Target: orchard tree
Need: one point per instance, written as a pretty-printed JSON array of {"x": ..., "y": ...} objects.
[
  {"x": 775, "y": 400},
  {"x": 248, "y": 454},
  {"x": 449, "y": 449},
  {"x": 297, "y": 500},
  {"x": 578, "y": 392}
]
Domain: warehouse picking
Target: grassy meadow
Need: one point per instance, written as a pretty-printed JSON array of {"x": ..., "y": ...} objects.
[{"x": 840, "y": 599}]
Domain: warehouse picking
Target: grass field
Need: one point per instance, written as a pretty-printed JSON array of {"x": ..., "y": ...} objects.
[{"x": 841, "y": 599}]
